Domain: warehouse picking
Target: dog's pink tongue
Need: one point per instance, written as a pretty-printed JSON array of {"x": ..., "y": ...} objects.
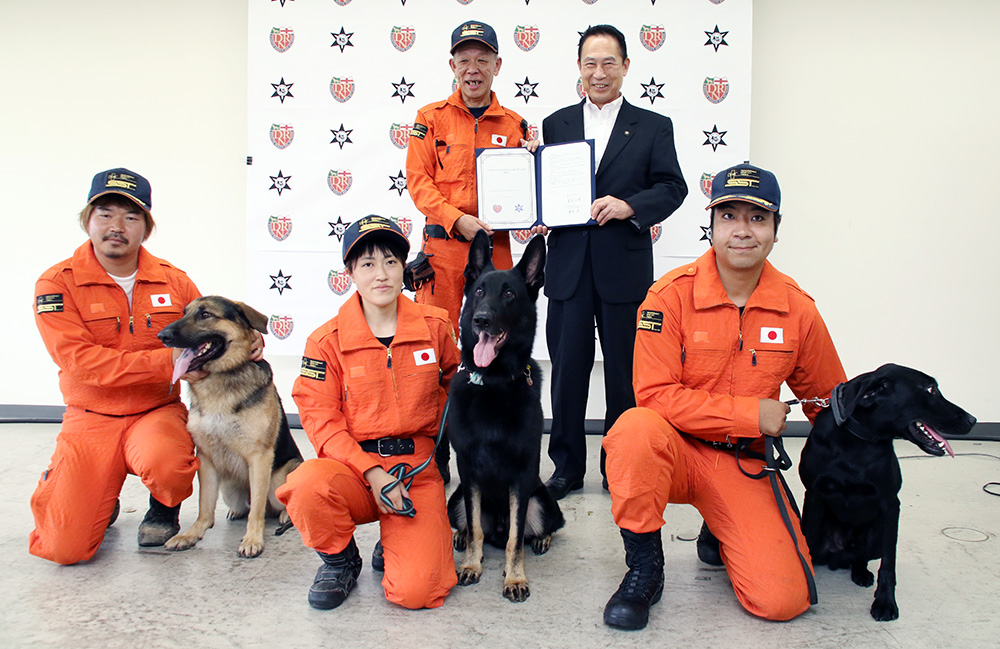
[
  {"x": 181, "y": 364},
  {"x": 485, "y": 350},
  {"x": 937, "y": 437}
]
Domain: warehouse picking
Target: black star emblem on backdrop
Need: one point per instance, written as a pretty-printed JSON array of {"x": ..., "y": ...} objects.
[
  {"x": 706, "y": 233},
  {"x": 716, "y": 38},
  {"x": 282, "y": 90},
  {"x": 526, "y": 90},
  {"x": 280, "y": 182},
  {"x": 714, "y": 137},
  {"x": 281, "y": 282},
  {"x": 398, "y": 182},
  {"x": 403, "y": 90},
  {"x": 341, "y": 136},
  {"x": 283, "y": 4},
  {"x": 338, "y": 229},
  {"x": 651, "y": 90},
  {"x": 342, "y": 39}
]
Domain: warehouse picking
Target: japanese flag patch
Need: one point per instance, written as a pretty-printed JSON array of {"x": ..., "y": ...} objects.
[
  {"x": 772, "y": 335},
  {"x": 160, "y": 299},
  {"x": 424, "y": 356},
  {"x": 499, "y": 140}
]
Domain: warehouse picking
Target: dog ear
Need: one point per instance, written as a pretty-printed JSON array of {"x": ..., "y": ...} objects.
[
  {"x": 532, "y": 265},
  {"x": 480, "y": 258},
  {"x": 256, "y": 319},
  {"x": 860, "y": 392}
]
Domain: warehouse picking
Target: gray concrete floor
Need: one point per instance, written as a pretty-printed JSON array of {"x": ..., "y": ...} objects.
[{"x": 948, "y": 579}]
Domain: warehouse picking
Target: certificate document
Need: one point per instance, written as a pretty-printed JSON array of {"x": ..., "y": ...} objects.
[{"x": 553, "y": 186}]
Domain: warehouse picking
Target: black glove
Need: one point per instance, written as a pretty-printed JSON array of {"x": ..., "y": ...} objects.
[{"x": 417, "y": 272}]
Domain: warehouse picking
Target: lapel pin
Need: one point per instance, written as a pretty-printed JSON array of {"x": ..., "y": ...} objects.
[{"x": 626, "y": 134}]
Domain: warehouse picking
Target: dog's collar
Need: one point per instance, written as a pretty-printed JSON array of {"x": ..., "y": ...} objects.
[{"x": 478, "y": 378}]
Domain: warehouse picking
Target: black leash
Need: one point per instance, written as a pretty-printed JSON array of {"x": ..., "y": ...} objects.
[
  {"x": 773, "y": 470},
  {"x": 404, "y": 473}
]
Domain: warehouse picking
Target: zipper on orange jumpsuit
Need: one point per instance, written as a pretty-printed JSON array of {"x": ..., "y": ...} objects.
[
  {"x": 131, "y": 329},
  {"x": 753, "y": 357},
  {"x": 388, "y": 364}
]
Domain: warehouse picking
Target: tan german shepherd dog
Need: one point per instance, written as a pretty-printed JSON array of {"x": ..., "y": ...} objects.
[{"x": 236, "y": 419}]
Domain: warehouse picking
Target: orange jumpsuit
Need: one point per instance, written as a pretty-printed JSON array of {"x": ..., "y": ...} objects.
[
  {"x": 123, "y": 415},
  {"x": 700, "y": 368},
  {"x": 352, "y": 388},
  {"x": 441, "y": 177}
]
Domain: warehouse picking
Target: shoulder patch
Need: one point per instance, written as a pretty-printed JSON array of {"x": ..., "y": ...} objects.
[
  {"x": 650, "y": 321},
  {"x": 418, "y": 131},
  {"x": 49, "y": 303},
  {"x": 313, "y": 369}
]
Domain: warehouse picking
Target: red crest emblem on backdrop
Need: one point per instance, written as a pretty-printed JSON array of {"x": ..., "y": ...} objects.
[
  {"x": 342, "y": 89},
  {"x": 281, "y": 326},
  {"x": 405, "y": 224},
  {"x": 339, "y": 281},
  {"x": 579, "y": 89},
  {"x": 403, "y": 38},
  {"x": 655, "y": 232},
  {"x": 715, "y": 89},
  {"x": 526, "y": 37},
  {"x": 521, "y": 236},
  {"x": 343, "y": 3},
  {"x": 532, "y": 131},
  {"x": 340, "y": 181},
  {"x": 282, "y": 38},
  {"x": 652, "y": 37},
  {"x": 282, "y": 135},
  {"x": 706, "y": 184},
  {"x": 279, "y": 227},
  {"x": 399, "y": 134}
]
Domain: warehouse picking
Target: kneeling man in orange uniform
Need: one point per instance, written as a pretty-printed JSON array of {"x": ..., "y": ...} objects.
[{"x": 715, "y": 340}]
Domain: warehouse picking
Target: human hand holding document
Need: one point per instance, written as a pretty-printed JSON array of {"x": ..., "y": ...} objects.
[{"x": 553, "y": 187}]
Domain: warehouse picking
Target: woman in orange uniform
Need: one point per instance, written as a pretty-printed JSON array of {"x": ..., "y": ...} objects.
[{"x": 370, "y": 394}]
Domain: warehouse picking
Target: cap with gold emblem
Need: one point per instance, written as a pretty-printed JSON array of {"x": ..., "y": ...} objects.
[
  {"x": 746, "y": 183},
  {"x": 474, "y": 31},
  {"x": 368, "y": 226}
]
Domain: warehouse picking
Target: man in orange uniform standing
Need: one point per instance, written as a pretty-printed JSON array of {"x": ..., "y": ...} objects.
[
  {"x": 715, "y": 340},
  {"x": 441, "y": 170},
  {"x": 99, "y": 312},
  {"x": 372, "y": 387}
]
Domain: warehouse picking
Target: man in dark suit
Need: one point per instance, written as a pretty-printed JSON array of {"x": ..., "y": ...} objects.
[{"x": 600, "y": 273}]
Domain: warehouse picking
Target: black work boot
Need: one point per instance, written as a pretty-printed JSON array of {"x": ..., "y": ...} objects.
[
  {"x": 159, "y": 525},
  {"x": 114, "y": 514},
  {"x": 378, "y": 557},
  {"x": 642, "y": 586},
  {"x": 335, "y": 578},
  {"x": 708, "y": 546}
]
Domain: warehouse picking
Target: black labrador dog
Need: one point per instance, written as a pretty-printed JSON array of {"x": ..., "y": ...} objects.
[
  {"x": 849, "y": 469},
  {"x": 495, "y": 419}
]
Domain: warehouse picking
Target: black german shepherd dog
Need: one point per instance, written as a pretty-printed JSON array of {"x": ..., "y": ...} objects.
[
  {"x": 852, "y": 478},
  {"x": 495, "y": 419}
]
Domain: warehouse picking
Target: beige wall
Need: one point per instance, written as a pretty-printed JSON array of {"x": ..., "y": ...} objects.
[{"x": 878, "y": 118}]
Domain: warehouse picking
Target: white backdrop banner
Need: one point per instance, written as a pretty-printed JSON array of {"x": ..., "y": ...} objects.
[{"x": 334, "y": 86}]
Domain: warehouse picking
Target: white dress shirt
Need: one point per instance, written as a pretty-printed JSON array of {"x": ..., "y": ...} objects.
[{"x": 597, "y": 125}]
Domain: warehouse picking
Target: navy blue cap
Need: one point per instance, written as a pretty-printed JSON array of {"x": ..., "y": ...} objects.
[
  {"x": 369, "y": 225},
  {"x": 746, "y": 183},
  {"x": 474, "y": 31},
  {"x": 124, "y": 182}
]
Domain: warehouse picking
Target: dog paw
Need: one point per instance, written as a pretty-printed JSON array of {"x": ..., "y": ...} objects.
[
  {"x": 862, "y": 576},
  {"x": 250, "y": 548},
  {"x": 234, "y": 515},
  {"x": 458, "y": 541},
  {"x": 469, "y": 575},
  {"x": 884, "y": 611},
  {"x": 516, "y": 591},
  {"x": 541, "y": 544},
  {"x": 180, "y": 542}
]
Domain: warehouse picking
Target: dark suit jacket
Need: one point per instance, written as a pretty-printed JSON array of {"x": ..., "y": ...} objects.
[{"x": 639, "y": 167}]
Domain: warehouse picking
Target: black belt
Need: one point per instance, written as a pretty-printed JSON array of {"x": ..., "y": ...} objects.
[
  {"x": 435, "y": 231},
  {"x": 387, "y": 446}
]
